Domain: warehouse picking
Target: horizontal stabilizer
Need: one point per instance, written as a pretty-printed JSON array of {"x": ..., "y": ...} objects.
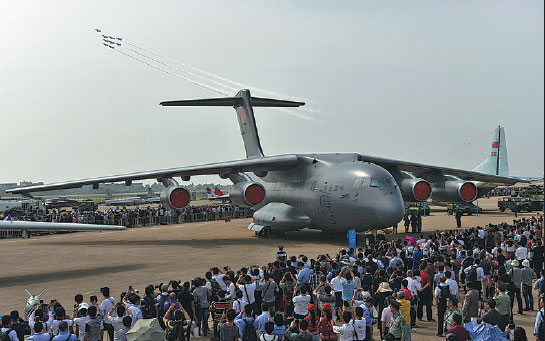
[{"x": 231, "y": 102}]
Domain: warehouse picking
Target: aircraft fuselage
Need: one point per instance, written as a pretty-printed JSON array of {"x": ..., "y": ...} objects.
[{"x": 335, "y": 191}]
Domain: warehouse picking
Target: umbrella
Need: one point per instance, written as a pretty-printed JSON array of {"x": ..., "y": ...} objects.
[
  {"x": 146, "y": 330},
  {"x": 411, "y": 240},
  {"x": 484, "y": 331}
]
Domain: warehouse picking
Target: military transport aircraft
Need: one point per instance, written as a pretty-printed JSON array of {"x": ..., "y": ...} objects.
[{"x": 330, "y": 192}]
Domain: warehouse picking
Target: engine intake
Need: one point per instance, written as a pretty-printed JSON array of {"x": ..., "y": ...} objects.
[
  {"x": 415, "y": 189},
  {"x": 175, "y": 198},
  {"x": 247, "y": 193},
  {"x": 454, "y": 191}
]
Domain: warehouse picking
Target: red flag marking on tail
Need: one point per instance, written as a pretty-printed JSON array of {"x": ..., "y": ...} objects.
[
  {"x": 495, "y": 144},
  {"x": 218, "y": 192},
  {"x": 243, "y": 116}
]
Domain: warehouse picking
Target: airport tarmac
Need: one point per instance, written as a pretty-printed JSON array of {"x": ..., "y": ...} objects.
[{"x": 68, "y": 264}]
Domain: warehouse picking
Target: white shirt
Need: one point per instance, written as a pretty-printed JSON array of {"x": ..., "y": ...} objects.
[
  {"x": 32, "y": 321},
  {"x": 219, "y": 279},
  {"x": 481, "y": 233},
  {"x": 231, "y": 291},
  {"x": 336, "y": 284},
  {"x": 521, "y": 253},
  {"x": 136, "y": 313},
  {"x": 248, "y": 291},
  {"x": 414, "y": 285},
  {"x": 55, "y": 326},
  {"x": 346, "y": 332},
  {"x": 106, "y": 306},
  {"x": 360, "y": 328},
  {"x": 12, "y": 334},
  {"x": 301, "y": 304},
  {"x": 238, "y": 305},
  {"x": 80, "y": 322},
  {"x": 453, "y": 286}
]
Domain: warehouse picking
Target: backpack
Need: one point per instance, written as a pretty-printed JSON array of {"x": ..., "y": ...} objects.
[
  {"x": 176, "y": 331},
  {"x": 4, "y": 336},
  {"x": 215, "y": 287},
  {"x": 148, "y": 308},
  {"x": 472, "y": 275},
  {"x": 444, "y": 293},
  {"x": 249, "y": 333},
  {"x": 162, "y": 300}
]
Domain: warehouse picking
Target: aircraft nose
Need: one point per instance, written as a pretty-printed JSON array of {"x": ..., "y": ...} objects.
[{"x": 390, "y": 209}]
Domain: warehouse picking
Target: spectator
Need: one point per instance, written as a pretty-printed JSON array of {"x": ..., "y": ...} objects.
[
  {"x": 347, "y": 332},
  {"x": 93, "y": 326},
  {"x": 64, "y": 334},
  {"x": 80, "y": 323},
  {"x": 177, "y": 328},
  {"x": 228, "y": 330},
  {"x": 397, "y": 327},
  {"x": 458, "y": 329},
  {"x": 470, "y": 308},
  {"x": 202, "y": 296},
  {"x": 6, "y": 328},
  {"x": 539, "y": 326},
  {"x": 269, "y": 333},
  {"x": 105, "y": 306},
  {"x": 118, "y": 322},
  {"x": 503, "y": 305},
  {"x": 516, "y": 276},
  {"x": 442, "y": 292},
  {"x": 218, "y": 308},
  {"x": 491, "y": 316},
  {"x": 301, "y": 302},
  {"x": 452, "y": 310},
  {"x": 527, "y": 274},
  {"x": 40, "y": 334},
  {"x": 245, "y": 323}
]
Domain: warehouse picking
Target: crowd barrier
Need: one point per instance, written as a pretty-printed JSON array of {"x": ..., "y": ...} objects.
[{"x": 131, "y": 221}]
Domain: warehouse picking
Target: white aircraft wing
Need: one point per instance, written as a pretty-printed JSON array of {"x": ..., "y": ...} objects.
[
  {"x": 46, "y": 226},
  {"x": 428, "y": 171},
  {"x": 268, "y": 163}
]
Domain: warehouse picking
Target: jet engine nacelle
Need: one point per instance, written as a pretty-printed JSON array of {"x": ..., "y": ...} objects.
[
  {"x": 175, "y": 197},
  {"x": 247, "y": 193},
  {"x": 415, "y": 189},
  {"x": 454, "y": 191}
]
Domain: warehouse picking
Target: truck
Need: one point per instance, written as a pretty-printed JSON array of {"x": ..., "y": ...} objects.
[
  {"x": 467, "y": 208},
  {"x": 525, "y": 199},
  {"x": 17, "y": 208},
  {"x": 421, "y": 207}
]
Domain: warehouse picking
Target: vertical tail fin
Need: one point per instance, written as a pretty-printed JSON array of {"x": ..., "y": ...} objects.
[
  {"x": 497, "y": 163},
  {"x": 243, "y": 103}
]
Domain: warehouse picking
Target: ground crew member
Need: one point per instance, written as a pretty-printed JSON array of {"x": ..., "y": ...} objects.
[{"x": 458, "y": 218}]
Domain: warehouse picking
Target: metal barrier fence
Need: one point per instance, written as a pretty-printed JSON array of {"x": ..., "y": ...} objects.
[{"x": 137, "y": 221}]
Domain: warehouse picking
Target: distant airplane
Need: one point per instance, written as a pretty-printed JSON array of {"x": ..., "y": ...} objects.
[
  {"x": 103, "y": 36},
  {"x": 105, "y": 44},
  {"x": 334, "y": 192},
  {"x": 61, "y": 201},
  {"x": 217, "y": 195},
  {"x": 118, "y": 38},
  {"x": 152, "y": 198},
  {"x": 131, "y": 201},
  {"x": 118, "y": 44},
  {"x": 96, "y": 29},
  {"x": 111, "y": 37}
]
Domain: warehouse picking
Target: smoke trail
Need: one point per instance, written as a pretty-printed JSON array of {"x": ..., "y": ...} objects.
[
  {"x": 219, "y": 91},
  {"x": 238, "y": 84},
  {"x": 184, "y": 71}
]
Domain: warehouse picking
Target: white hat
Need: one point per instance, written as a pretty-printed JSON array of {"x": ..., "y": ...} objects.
[
  {"x": 515, "y": 263},
  {"x": 526, "y": 263}
]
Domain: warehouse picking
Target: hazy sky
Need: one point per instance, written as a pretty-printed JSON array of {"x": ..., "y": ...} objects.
[{"x": 414, "y": 80}]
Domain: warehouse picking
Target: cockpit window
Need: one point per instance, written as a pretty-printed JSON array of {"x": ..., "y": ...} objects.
[
  {"x": 382, "y": 182},
  {"x": 357, "y": 182}
]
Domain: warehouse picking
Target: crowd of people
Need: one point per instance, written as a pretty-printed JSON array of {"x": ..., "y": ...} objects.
[
  {"x": 381, "y": 291},
  {"x": 144, "y": 216}
]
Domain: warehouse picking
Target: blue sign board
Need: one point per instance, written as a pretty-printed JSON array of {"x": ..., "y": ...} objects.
[{"x": 352, "y": 239}]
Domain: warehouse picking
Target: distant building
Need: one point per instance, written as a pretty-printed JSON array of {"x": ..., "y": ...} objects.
[{"x": 3, "y": 187}]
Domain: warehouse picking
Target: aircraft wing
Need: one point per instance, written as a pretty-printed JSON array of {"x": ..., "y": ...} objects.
[
  {"x": 428, "y": 171},
  {"x": 47, "y": 226},
  {"x": 268, "y": 163}
]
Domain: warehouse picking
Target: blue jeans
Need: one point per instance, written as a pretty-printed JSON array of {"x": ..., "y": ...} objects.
[
  {"x": 528, "y": 298},
  {"x": 408, "y": 332},
  {"x": 202, "y": 319}
]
